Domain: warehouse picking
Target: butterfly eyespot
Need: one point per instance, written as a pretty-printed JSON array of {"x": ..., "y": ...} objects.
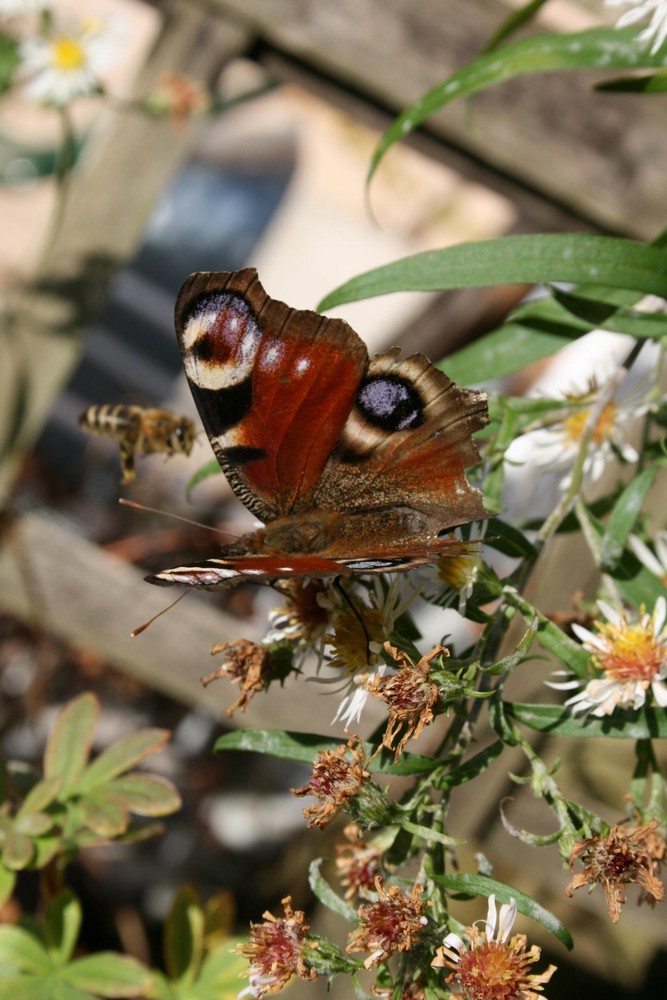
[{"x": 390, "y": 402}]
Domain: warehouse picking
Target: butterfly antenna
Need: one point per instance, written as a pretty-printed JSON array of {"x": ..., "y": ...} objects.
[
  {"x": 355, "y": 611},
  {"x": 142, "y": 628},
  {"x": 176, "y": 517}
]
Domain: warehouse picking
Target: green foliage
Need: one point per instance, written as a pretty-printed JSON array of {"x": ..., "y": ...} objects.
[{"x": 77, "y": 802}]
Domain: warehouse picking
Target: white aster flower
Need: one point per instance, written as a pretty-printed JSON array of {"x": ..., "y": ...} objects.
[
  {"x": 656, "y": 32},
  {"x": 359, "y": 631},
  {"x": 67, "y": 63},
  {"x": 557, "y": 444},
  {"x": 450, "y": 580},
  {"x": 655, "y": 562},
  {"x": 492, "y": 964},
  {"x": 629, "y": 657},
  {"x": 303, "y": 618}
]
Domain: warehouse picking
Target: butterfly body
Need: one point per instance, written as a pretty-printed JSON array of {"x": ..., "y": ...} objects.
[{"x": 354, "y": 465}]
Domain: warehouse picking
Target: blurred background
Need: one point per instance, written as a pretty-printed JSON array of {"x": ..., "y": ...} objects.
[{"x": 268, "y": 171}]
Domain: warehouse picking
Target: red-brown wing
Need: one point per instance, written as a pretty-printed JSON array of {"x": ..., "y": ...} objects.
[
  {"x": 406, "y": 445},
  {"x": 273, "y": 386}
]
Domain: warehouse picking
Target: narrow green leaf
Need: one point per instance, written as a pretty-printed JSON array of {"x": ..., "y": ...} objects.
[
  {"x": 643, "y": 588},
  {"x": 184, "y": 936},
  {"x": 482, "y": 885},
  {"x": 326, "y": 894},
  {"x": 429, "y": 835},
  {"x": 653, "y": 83},
  {"x": 122, "y": 756},
  {"x": 22, "y": 951},
  {"x": 500, "y": 353},
  {"x": 10, "y": 60},
  {"x": 569, "y": 652},
  {"x": 520, "y": 259},
  {"x": 33, "y": 824},
  {"x": 624, "y": 517},
  {"x": 475, "y": 766},
  {"x": 517, "y": 19},
  {"x": 302, "y": 747},
  {"x": 146, "y": 794},
  {"x": 63, "y": 923},
  {"x": 646, "y": 723},
  {"x": 599, "y": 48},
  {"x": 70, "y": 740},
  {"x": 211, "y": 468},
  {"x": 600, "y": 315},
  {"x": 107, "y": 974},
  {"x": 509, "y": 540}
]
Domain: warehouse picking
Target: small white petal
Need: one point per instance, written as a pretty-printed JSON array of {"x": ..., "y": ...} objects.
[
  {"x": 645, "y": 555},
  {"x": 659, "y": 689},
  {"x": 454, "y": 941},
  {"x": 506, "y": 920},
  {"x": 659, "y": 614},
  {"x": 611, "y": 614}
]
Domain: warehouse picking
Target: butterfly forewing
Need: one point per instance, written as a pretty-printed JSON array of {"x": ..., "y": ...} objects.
[{"x": 273, "y": 385}]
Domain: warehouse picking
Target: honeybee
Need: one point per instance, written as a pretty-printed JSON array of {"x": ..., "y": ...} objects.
[{"x": 140, "y": 431}]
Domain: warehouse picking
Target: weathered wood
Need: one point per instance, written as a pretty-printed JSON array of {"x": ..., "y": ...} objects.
[
  {"x": 551, "y": 132},
  {"x": 117, "y": 183},
  {"x": 52, "y": 577}
]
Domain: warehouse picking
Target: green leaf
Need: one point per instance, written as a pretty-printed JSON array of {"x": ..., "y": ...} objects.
[
  {"x": 509, "y": 540},
  {"x": 146, "y": 794},
  {"x": 520, "y": 259},
  {"x": 326, "y": 895},
  {"x": 302, "y": 747},
  {"x": 211, "y": 468},
  {"x": 500, "y": 353},
  {"x": 599, "y": 48},
  {"x": 569, "y": 652},
  {"x": 221, "y": 969},
  {"x": 22, "y": 951},
  {"x": 122, "y": 756},
  {"x": 429, "y": 835},
  {"x": 475, "y": 766},
  {"x": 10, "y": 60},
  {"x": 33, "y": 824},
  {"x": 482, "y": 885},
  {"x": 104, "y": 814},
  {"x": 63, "y": 923},
  {"x": 607, "y": 316},
  {"x": 107, "y": 974},
  {"x": 184, "y": 936},
  {"x": 70, "y": 740},
  {"x": 513, "y": 22},
  {"x": 647, "y": 723},
  {"x": 653, "y": 83},
  {"x": 7, "y": 883},
  {"x": 624, "y": 516},
  {"x": 18, "y": 850},
  {"x": 40, "y": 795}
]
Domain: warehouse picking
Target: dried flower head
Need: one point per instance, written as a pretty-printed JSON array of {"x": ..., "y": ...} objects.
[
  {"x": 338, "y": 776},
  {"x": 389, "y": 925},
  {"x": 180, "y": 97},
  {"x": 357, "y": 862},
  {"x": 621, "y": 857},
  {"x": 246, "y": 664},
  {"x": 409, "y": 694},
  {"x": 493, "y": 966},
  {"x": 275, "y": 952}
]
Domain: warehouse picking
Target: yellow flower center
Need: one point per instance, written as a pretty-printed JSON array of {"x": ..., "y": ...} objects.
[
  {"x": 575, "y": 423},
  {"x": 68, "y": 55},
  {"x": 459, "y": 570},
  {"x": 632, "y": 652},
  {"x": 350, "y": 642}
]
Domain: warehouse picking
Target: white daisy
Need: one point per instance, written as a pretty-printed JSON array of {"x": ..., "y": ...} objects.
[
  {"x": 655, "y": 562},
  {"x": 68, "y": 63},
  {"x": 557, "y": 444},
  {"x": 450, "y": 580},
  {"x": 359, "y": 631},
  {"x": 656, "y": 32},
  {"x": 629, "y": 656}
]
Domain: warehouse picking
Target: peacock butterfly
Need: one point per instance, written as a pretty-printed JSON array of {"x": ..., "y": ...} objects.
[{"x": 354, "y": 465}]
